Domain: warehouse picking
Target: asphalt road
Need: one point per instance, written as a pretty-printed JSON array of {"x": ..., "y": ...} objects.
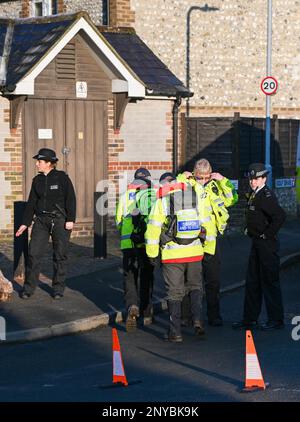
[{"x": 75, "y": 368}]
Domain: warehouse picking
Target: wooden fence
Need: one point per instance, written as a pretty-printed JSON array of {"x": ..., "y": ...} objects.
[{"x": 232, "y": 143}]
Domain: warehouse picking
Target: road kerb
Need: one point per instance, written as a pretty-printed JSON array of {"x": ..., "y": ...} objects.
[{"x": 96, "y": 321}]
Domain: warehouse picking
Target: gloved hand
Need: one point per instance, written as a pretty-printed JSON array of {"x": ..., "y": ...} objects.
[
  {"x": 263, "y": 236},
  {"x": 153, "y": 261},
  {"x": 202, "y": 234}
]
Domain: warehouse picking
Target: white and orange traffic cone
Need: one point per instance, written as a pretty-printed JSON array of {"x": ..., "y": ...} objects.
[
  {"x": 119, "y": 376},
  {"x": 254, "y": 378}
]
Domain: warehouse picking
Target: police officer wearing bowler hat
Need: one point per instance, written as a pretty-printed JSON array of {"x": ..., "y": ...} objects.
[
  {"x": 264, "y": 217},
  {"x": 52, "y": 205}
]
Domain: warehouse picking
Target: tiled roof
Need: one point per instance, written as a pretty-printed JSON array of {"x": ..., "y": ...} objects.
[
  {"x": 30, "y": 43},
  {"x": 31, "y": 39},
  {"x": 26, "y": 41},
  {"x": 2, "y": 36},
  {"x": 145, "y": 64}
]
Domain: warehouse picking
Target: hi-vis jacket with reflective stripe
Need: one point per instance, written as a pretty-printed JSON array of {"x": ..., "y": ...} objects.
[
  {"x": 218, "y": 195},
  {"x": 127, "y": 207},
  {"x": 171, "y": 252}
]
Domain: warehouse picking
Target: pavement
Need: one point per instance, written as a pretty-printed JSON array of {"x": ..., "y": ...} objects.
[{"x": 95, "y": 299}]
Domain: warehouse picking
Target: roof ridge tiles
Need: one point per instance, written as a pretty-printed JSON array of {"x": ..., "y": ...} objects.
[
  {"x": 45, "y": 19},
  {"x": 116, "y": 29}
]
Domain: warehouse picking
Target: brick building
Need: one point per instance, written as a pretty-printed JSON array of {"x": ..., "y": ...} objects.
[
  {"x": 227, "y": 51},
  {"x": 86, "y": 94},
  {"x": 217, "y": 49}
]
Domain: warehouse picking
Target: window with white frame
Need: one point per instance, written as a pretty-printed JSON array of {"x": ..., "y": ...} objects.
[{"x": 44, "y": 7}]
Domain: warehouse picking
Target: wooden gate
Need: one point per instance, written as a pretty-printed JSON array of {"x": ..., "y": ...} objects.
[{"x": 77, "y": 131}]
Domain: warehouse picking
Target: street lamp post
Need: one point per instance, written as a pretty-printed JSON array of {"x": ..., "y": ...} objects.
[{"x": 204, "y": 8}]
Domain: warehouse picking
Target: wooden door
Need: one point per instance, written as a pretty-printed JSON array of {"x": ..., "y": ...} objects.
[
  {"x": 79, "y": 133},
  {"x": 48, "y": 115},
  {"x": 86, "y": 161}
]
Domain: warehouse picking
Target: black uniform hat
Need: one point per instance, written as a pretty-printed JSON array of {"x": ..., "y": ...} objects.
[
  {"x": 46, "y": 154},
  {"x": 257, "y": 170},
  {"x": 166, "y": 177},
  {"x": 142, "y": 172}
]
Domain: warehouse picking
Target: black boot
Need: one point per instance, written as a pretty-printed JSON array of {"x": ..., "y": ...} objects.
[
  {"x": 174, "y": 334},
  {"x": 196, "y": 309},
  {"x": 186, "y": 315},
  {"x": 196, "y": 305},
  {"x": 131, "y": 320}
]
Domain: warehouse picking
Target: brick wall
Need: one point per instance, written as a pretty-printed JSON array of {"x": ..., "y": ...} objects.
[
  {"x": 61, "y": 7},
  {"x": 83, "y": 230},
  {"x": 25, "y": 9},
  {"x": 144, "y": 140},
  {"x": 121, "y": 13},
  {"x": 145, "y": 128},
  {"x": 202, "y": 111},
  {"x": 10, "y": 170},
  {"x": 11, "y": 176}
]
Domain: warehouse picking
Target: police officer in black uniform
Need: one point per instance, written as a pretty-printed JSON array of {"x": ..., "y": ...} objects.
[
  {"x": 264, "y": 217},
  {"x": 53, "y": 203}
]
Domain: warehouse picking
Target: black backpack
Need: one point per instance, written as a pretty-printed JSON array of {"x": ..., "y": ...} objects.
[{"x": 145, "y": 199}]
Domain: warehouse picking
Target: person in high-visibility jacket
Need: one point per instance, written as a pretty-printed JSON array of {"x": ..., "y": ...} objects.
[
  {"x": 173, "y": 231},
  {"x": 220, "y": 194},
  {"x": 131, "y": 217}
]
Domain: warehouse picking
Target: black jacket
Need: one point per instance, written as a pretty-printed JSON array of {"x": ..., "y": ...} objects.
[
  {"x": 263, "y": 214},
  {"x": 46, "y": 192}
]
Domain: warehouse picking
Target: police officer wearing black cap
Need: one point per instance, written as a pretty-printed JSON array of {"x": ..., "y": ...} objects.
[
  {"x": 167, "y": 177},
  {"x": 264, "y": 217},
  {"x": 131, "y": 219},
  {"x": 52, "y": 205}
]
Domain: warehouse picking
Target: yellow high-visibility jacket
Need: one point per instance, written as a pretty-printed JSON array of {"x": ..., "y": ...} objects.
[
  {"x": 171, "y": 252},
  {"x": 126, "y": 208},
  {"x": 219, "y": 194}
]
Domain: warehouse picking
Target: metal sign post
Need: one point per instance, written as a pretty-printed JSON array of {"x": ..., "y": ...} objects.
[
  {"x": 269, "y": 87},
  {"x": 268, "y": 97},
  {"x": 298, "y": 173}
]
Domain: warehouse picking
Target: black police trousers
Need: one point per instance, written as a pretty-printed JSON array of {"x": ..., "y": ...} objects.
[
  {"x": 211, "y": 275},
  {"x": 138, "y": 280},
  {"x": 43, "y": 228},
  {"x": 262, "y": 281}
]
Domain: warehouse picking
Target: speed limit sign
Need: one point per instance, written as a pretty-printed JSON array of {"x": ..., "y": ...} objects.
[{"x": 269, "y": 85}]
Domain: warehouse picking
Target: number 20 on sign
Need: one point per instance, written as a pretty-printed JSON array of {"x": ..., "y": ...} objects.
[{"x": 269, "y": 85}]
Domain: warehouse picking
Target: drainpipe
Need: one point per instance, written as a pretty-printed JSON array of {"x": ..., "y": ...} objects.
[{"x": 176, "y": 105}]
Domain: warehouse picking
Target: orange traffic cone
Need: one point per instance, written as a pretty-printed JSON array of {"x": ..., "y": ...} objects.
[
  {"x": 254, "y": 378},
  {"x": 119, "y": 376}
]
